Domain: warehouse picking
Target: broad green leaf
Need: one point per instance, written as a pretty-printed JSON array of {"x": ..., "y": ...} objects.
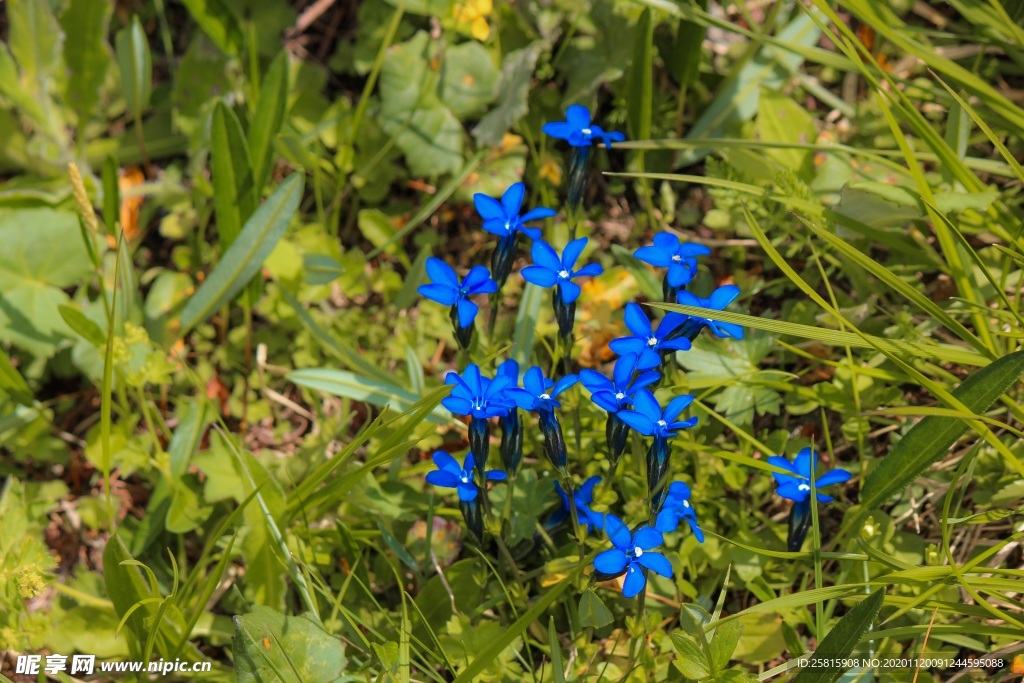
[
  {"x": 234, "y": 193},
  {"x": 513, "y": 631},
  {"x": 691, "y": 661},
  {"x": 35, "y": 41},
  {"x": 930, "y": 439},
  {"x": 270, "y": 647},
  {"x": 526, "y": 323},
  {"x": 684, "y": 59},
  {"x": 187, "y": 435},
  {"x": 245, "y": 257},
  {"x": 469, "y": 79},
  {"x": 842, "y": 639},
  {"x": 86, "y": 55},
  {"x": 136, "y": 64},
  {"x": 321, "y": 268},
  {"x": 218, "y": 22},
  {"x": 83, "y": 326},
  {"x": 361, "y": 388},
  {"x": 593, "y": 612},
  {"x": 780, "y": 119},
  {"x": 724, "y": 643},
  {"x": 641, "y": 79},
  {"x": 513, "y": 98},
  {"x": 267, "y": 118},
  {"x": 12, "y": 382}
]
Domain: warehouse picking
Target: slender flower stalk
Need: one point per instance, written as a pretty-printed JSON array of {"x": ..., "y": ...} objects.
[
  {"x": 511, "y": 424},
  {"x": 797, "y": 488},
  {"x": 649, "y": 419},
  {"x": 540, "y": 394}
]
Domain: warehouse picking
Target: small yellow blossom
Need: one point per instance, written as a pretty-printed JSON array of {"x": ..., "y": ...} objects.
[{"x": 471, "y": 17}]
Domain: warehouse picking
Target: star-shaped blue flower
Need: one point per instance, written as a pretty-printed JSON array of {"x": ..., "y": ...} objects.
[
  {"x": 719, "y": 299},
  {"x": 616, "y": 393},
  {"x": 583, "y": 496},
  {"x": 550, "y": 269},
  {"x": 503, "y": 218},
  {"x": 631, "y": 555},
  {"x": 677, "y": 508},
  {"x": 445, "y": 288},
  {"x": 476, "y": 395},
  {"x": 540, "y": 393},
  {"x": 797, "y": 487},
  {"x": 450, "y": 475},
  {"x": 578, "y": 130},
  {"x": 680, "y": 258},
  {"x": 649, "y": 419},
  {"x": 645, "y": 341}
]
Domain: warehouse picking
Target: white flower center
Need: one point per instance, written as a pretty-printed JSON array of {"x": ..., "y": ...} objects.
[
  {"x": 479, "y": 405},
  {"x": 619, "y": 396},
  {"x": 662, "y": 423},
  {"x": 803, "y": 487},
  {"x": 585, "y": 131},
  {"x": 652, "y": 341},
  {"x": 465, "y": 478},
  {"x": 638, "y": 551},
  {"x": 545, "y": 397},
  {"x": 677, "y": 258},
  {"x": 563, "y": 274},
  {"x": 508, "y": 225},
  {"x": 686, "y": 503}
]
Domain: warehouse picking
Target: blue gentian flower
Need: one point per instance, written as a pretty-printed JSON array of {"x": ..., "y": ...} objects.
[
  {"x": 480, "y": 398},
  {"x": 578, "y": 130},
  {"x": 504, "y": 220},
  {"x": 540, "y": 394},
  {"x": 582, "y": 496},
  {"x": 680, "y": 258},
  {"x": 649, "y": 419},
  {"x": 631, "y": 555},
  {"x": 797, "y": 488},
  {"x": 450, "y": 475},
  {"x": 511, "y": 424},
  {"x": 616, "y": 394},
  {"x": 719, "y": 299},
  {"x": 645, "y": 341},
  {"x": 677, "y": 508},
  {"x": 552, "y": 270},
  {"x": 447, "y": 289}
]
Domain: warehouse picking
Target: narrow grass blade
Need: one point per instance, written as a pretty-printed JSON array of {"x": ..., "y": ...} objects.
[
  {"x": 841, "y": 640},
  {"x": 930, "y": 438},
  {"x": 234, "y": 194},
  {"x": 267, "y": 118},
  {"x": 360, "y": 388},
  {"x": 245, "y": 257}
]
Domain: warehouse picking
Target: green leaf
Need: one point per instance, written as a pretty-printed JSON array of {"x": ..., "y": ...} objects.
[
  {"x": 842, "y": 639},
  {"x": 361, "y": 388},
  {"x": 12, "y": 382},
  {"x": 82, "y": 326},
  {"x": 244, "y": 258},
  {"x": 234, "y": 194},
  {"x": 684, "y": 59},
  {"x": 724, "y": 643},
  {"x": 513, "y": 101},
  {"x": 690, "y": 660},
  {"x": 931, "y": 438},
  {"x": 267, "y": 119},
  {"x": 469, "y": 80},
  {"x": 488, "y": 655},
  {"x": 35, "y": 41},
  {"x": 321, "y": 268},
  {"x": 86, "y": 55},
  {"x": 526, "y": 323},
  {"x": 641, "y": 79},
  {"x": 593, "y": 612},
  {"x": 136, "y": 65},
  {"x": 184, "y": 443},
  {"x": 111, "y": 195},
  {"x": 780, "y": 119},
  {"x": 271, "y": 647},
  {"x": 218, "y": 22}
]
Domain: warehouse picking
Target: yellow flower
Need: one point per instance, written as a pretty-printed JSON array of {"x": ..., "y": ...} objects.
[
  {"x": 471, "y": 17},
  {"x": 30, "y": 581}
]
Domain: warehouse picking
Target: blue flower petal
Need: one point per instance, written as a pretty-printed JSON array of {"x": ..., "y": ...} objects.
[
  {"x": 544, "y": 255},
  {"x": 617, "y": 532},
  {"x": 589, "y": 270},
  {"x": 536, "y": 214},
  {"x": 676, "y": 406},
  {"x": 560, "y": 130},
  {"x": 638, "y": 421},
  {"x": 657, "y": 563},
  {"x": 624, "y": 345},
  {"x": 512, "y": 200},
  {"x": 636, "y": 321},
  {"x": 572, "y": 252},
  {"x": 443, "y": 478},
  {"x": 606, "y": 400},
  {"x": 578, "y": 116},
  {"x": 634, "y": 583},
  {"x": 441, "y": 293},
  {"x": 539, "y": 275},
  {"x": 488, "y": 207},
  {"x": 594, "y": 380},
  {"x": 654, "y": 256},
  {"x": 457, "y": 405},
  {"x": 667, "y": 520},
  {"x": 441, "y": 273},
  {"x": 444, "y": 461},
  {"x": 646, "y": 538},
  {"x": 467, "y": 491},
  {"x": 467, "y": 311},
  {"x": 497, "y": 475},
  {"x": 645, "y": 403},
  {"x": 836, "y": 476},
  {"x": 570, "y": 291},
  {"x": 611, "y": 561},
  {"x": 563, "y": 384}
]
